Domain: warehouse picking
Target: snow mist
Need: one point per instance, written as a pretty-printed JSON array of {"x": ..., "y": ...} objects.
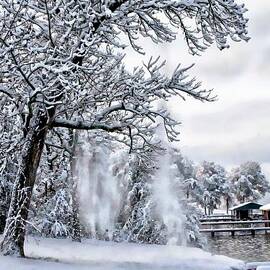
[
  {"x": 167, "y": 191},
  {"x": 98, "y": 191},
  {"x": 167, "y": 194}
]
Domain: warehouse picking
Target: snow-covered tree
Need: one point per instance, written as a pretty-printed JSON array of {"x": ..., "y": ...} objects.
[
  {"x": 9, "y": 146},
  {"x": 138, "y": 220},
  {"x": 189, "y": 185},
  {"x": 212, "y": 178},
  {"x": 142, "y": 218},
  {"x": 249, "y": 182},
  {"x": 187, "y": 174},
  {"x": 192, "y": 225},
  {"x": 228, "y": 194},
  {"x": 62, "y": 66}
]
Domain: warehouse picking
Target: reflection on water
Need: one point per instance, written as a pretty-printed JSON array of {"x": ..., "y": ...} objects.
[{"x": 246, "y": 248}]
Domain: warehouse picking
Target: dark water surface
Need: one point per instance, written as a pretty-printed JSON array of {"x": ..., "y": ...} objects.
[{"x": 245, "y": 247}]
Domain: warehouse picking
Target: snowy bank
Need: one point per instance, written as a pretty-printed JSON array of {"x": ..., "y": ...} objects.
[{"x": 52, "y": 254}]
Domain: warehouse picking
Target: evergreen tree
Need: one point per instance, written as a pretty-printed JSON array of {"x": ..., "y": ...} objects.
[
  {"x": 249, "y": 182},
  {"x": 212, "y": 178}
]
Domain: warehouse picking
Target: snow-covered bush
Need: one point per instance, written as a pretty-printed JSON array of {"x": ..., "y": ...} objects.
[
  {"x": 51, "y": 206},
  {"x": 56, "y": 222},
  {"x": 192, "y": 225}
]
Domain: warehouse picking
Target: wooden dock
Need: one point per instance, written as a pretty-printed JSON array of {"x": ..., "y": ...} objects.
[
  {"x": 217, "y": 218},
  {"x": 251, "y": 226},
  {"x": 203, "y": 220}
]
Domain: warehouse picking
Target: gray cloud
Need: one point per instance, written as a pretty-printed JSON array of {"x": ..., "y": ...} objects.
[
  {"x": 231, "y": 135},
  {"x": 256, "y": 148},
  {"x": 232, "y": 118}
]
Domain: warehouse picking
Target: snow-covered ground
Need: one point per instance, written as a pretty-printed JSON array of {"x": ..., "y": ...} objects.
[{"x": 52, "y": 254}]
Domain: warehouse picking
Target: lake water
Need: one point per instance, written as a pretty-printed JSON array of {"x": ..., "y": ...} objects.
[{"x": 246, "y": 248}]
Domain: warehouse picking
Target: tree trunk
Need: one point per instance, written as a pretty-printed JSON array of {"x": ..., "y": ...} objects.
[
  {"x": 227, "y": 205},
  {"x": 76, "y": 235},
  {"x": 14, "y": 234}
]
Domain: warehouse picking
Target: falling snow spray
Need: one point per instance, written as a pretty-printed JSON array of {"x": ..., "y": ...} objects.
[
  {"x": 167, "y": 194},
  {"x": 98, "y": 191},
  {"x": 100, "y": 195}
]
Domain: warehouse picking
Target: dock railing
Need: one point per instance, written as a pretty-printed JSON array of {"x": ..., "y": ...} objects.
[{"x": 235, "y": 226}]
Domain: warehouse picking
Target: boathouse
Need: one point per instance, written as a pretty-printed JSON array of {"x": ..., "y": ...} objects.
[
  {"x": 246, "y": 211},
  {"x": 266, "y": 213}
]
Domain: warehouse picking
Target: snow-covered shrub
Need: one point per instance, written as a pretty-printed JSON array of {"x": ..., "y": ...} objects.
[
  {"x": 192, "y": 225},
  {"x": 51, "y": 208},
  {"x": 56, "y": 222}
]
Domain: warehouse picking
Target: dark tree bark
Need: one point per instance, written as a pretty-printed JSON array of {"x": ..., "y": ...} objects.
[
  {"x": 2, "y": 222},
  {"x": 35, "y": 133},
  {"x": 227, "y": 205},
  {"x": 187, "y": 193}
]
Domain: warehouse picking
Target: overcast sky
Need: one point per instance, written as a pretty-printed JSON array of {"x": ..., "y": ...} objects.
[{"x": 236, "y": 128}]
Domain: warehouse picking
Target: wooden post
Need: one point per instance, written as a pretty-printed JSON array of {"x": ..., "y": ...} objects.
[
  {"x": 252, "y": 232},
  {"x": 212, "y": 234},
  {"x": 233, "y": 233}
]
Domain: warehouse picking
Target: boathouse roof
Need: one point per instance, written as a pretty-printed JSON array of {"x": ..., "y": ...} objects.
[
  {"x": 265, "y": 207},
  {"x": 246, "y": 206}
]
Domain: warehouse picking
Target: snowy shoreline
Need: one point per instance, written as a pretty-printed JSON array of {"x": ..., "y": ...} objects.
[{"x": 60, "y": 254}]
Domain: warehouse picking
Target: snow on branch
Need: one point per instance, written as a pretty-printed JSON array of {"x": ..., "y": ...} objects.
[
  {"x": 67, "y": 58},
  {"x": 127, "y": 98},
  {"x": 85, "y": 125}
]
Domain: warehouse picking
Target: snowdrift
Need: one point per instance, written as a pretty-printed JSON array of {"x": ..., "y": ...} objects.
[{"x": 52, "y": 254}]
